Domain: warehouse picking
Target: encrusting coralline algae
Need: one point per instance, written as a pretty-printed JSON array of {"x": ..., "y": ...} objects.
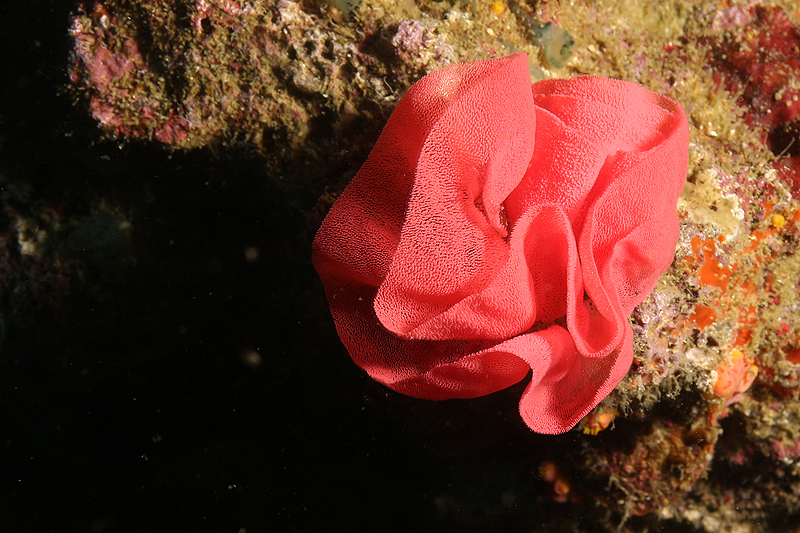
[{"x": 703, "y": 429}]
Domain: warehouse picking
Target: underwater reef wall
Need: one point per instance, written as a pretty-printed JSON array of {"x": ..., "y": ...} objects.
[{"x": 704, "y": 430}]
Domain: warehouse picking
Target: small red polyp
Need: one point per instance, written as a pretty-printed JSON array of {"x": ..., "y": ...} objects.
[{"x": 497, "y": 230}]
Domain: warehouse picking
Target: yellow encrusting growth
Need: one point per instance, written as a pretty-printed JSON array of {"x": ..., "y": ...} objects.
[{"x": 597, "y": 421}]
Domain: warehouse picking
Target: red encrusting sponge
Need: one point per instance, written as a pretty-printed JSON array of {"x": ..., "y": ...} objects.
[{"x": 498, "y": 229}]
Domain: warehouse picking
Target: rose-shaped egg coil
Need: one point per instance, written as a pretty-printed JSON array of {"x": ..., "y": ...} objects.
[{"x": 499, "y": 228}]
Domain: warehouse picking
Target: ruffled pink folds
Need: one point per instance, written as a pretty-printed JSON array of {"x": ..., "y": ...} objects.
[{"x": 498, "y": 229}]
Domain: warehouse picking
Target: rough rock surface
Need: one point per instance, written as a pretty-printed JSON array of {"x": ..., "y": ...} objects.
[{"x": 164, "y": 164}]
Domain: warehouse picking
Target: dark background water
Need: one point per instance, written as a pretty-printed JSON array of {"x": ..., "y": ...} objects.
[{"x": 127, "y": 399}]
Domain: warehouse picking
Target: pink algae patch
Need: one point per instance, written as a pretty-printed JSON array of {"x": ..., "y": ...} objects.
[{"x": 735, "y": 377}]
